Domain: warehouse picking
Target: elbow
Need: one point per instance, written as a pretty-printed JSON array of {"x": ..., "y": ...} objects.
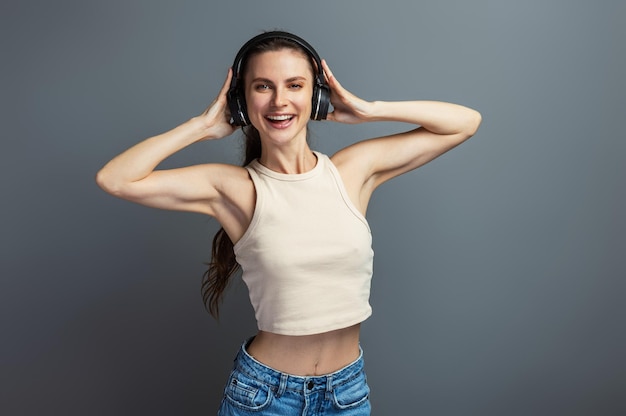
[
  {"x": 475, "y": 119},
  {"x": 107, "y": 183}
]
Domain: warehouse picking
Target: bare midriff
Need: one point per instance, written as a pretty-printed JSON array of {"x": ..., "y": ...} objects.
[{"x": 307, "y": 355}]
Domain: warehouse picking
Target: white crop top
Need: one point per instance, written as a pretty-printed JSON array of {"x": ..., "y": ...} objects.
[{"x": 307, "y": 255}]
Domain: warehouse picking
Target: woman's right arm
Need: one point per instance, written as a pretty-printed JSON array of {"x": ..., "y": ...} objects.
[{"x": 132, "y": 175}]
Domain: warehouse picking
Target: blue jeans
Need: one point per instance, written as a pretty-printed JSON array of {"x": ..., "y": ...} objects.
[{"x": 256, "y": 389}]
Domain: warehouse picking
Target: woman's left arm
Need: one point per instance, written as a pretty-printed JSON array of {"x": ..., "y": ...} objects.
[{"x": 442, "y": 126}]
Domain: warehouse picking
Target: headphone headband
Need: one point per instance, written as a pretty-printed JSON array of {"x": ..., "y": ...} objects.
[
  {"x": 236, "y": 98},
  {"x": 275, "y": 35}
]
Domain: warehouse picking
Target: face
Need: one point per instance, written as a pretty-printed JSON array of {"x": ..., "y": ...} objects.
[{"x": 278, "y": 88}]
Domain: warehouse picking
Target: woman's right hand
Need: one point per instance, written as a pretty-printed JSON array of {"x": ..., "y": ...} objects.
[{"x": 216, "y": 118}]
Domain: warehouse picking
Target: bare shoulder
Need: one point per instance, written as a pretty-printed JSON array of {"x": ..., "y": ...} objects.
[
  {"x": 217, "y": 179},
  {"x": 235, "y": 201},
  {"x": 354, "y": 167},
  {"x": 226, "y": 175},
  {"x": 355, "y": 162},
  {"x": 232, "y": 183}
]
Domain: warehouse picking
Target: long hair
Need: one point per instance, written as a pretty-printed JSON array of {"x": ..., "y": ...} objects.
[{"x": 223, "y": 263}]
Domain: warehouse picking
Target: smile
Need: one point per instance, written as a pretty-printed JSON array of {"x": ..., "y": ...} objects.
[{"x": 279, "y": 118}]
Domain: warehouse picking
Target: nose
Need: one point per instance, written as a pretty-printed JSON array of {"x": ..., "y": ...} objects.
[{"x": 279, "y": 98}]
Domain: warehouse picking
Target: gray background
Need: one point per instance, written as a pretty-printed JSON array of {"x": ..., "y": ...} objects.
[{"x": 499, "y": 271}]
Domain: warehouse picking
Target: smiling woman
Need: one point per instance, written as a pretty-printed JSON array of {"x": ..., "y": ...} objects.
[{"x": 293, "y": 219}]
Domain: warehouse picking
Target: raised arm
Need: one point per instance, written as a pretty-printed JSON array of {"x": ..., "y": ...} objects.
[
  {"x": 442, "y": 126},
  {"x": 132, "y": 175}
]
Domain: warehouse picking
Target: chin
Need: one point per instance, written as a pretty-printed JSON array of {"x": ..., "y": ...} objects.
[{"x": 283, "y": 135}]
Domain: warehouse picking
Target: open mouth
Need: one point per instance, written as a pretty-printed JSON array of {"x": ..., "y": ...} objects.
[{"x": 279, "y": 120}]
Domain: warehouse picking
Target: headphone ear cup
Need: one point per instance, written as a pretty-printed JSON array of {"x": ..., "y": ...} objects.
[
  {"x": 321, "y": 101},
  {"x": 237, "y": 106}
]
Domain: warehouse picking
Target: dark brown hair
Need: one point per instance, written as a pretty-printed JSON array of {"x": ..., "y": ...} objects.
[{"x": 223, "y": 263}]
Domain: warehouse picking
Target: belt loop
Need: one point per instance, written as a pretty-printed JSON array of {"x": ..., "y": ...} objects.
[
  {"x": 329, "y": 387},
  {"x": 283, "y": 385}
]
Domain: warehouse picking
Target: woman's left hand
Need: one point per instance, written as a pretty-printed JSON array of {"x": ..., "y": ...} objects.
[{"x": 347, "y": 107}]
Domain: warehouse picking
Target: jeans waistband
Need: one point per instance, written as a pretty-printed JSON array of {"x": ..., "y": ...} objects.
[{"x": 283, "y": 381}]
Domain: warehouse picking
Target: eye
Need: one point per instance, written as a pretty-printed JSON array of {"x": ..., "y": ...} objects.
[
  {"x": 295, "y": 86},
  {"x": 261, "y": 87}
]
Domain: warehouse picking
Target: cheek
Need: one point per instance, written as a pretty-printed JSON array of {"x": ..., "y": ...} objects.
[
  {"x": 305, "y": 99},
  {"x": 255, "y": 103},
  {"x": 253, "y": 99}
]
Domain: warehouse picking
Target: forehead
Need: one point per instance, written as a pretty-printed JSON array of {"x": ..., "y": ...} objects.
[{"x": 283, "y": 63}]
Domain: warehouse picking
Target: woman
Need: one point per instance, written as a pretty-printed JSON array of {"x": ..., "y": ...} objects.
[{"x": 292, "y": 218}]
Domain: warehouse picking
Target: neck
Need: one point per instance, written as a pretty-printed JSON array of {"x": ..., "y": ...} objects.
[{"x": 288, "y": 160}]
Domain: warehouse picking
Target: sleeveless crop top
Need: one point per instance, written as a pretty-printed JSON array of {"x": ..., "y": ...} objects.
[{"x": 306, "y": 256}]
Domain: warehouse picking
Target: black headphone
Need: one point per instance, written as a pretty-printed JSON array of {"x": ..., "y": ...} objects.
[{"x": 236, "y": 97}]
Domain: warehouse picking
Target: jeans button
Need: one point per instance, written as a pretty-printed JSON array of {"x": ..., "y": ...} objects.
[{"x": 310, "y": 385}]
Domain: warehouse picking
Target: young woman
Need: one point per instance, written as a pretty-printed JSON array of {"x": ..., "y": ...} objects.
[{"x": 292, "y": 218}]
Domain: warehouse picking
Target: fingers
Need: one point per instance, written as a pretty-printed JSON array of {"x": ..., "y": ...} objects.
[
  {"x": 337, "y": 91},
  {"x": 226, "y": 85},
  {"x": 221, "y": 96},
  {"x": 327, "y": 72},
  {"x": 224, "y": 92},
  {"x": 330, "y": 78}
]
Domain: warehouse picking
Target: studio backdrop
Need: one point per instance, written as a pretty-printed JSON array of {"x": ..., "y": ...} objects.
[{"x": 499, "y": 274}]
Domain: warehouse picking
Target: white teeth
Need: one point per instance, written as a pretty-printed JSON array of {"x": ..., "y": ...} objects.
[{"x": 279, "y": 118}]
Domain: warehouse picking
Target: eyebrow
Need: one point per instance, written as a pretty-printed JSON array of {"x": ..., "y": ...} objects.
[{"x": 292, "y": 79}]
